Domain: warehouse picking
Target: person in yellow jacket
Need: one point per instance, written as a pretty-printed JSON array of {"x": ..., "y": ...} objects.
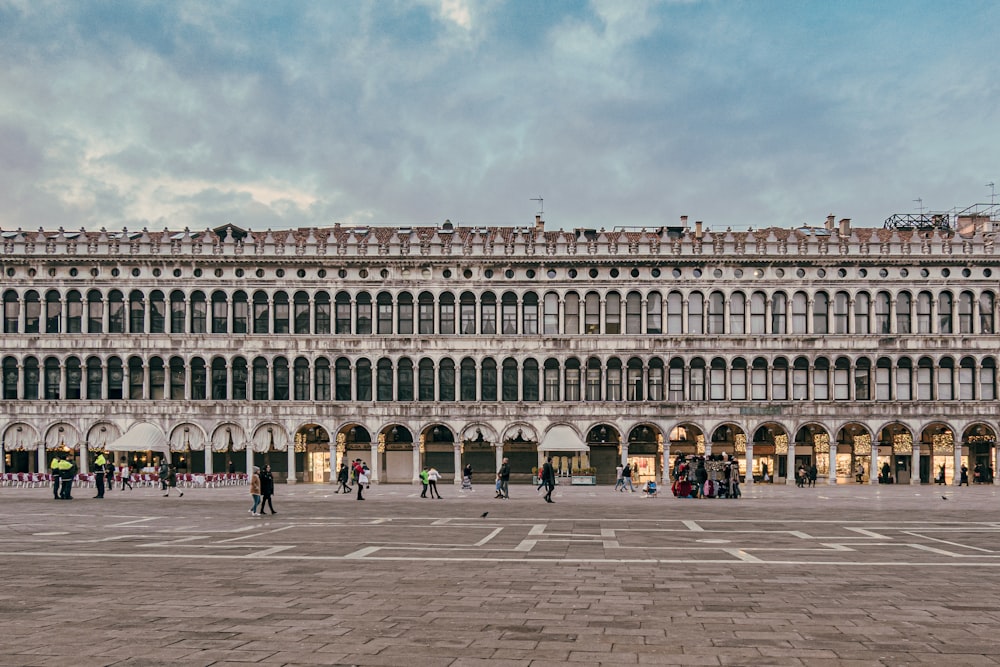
[
  {"x": 54, "y": 473},
  {"x": 99, "y": 464}
]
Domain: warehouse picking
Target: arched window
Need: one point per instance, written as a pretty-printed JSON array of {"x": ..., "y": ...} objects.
[
  {"x": 219, "y": 379},
  {"x": 363, "y": 301},
  {"x": 862, "y": 318},
  {"x": 33, "y": 311},
  {"x": 738, "y": 380},
  {"x": 946, "y": 380},
  {"x": 51, "y": 375},
  {"x": 799, "y": 313},
  {"x": 987, "y": 306},
  {"x": 446, "y": 380},
  {"x": 282, "y": 313},
  {"x": 550, "y": 321},
  {"x": 321, "y": 379},
  {"x": 965, "y": 312},
  {"x": 488, "y": 303},
  {"x": 136, "y": 312},
  {"x": 882, "y": 324},
  {"x": 821, "y": 379},
  {"x": 342, "y": 313},
  {"x": 821, "y": 313},
  {"x": 696, "y": 313},
  {"x": 675, "y": 380},
  {"x": 261, "y": 314},
  {"x": 425, "y": 380},
  {"x": 10, "y": 378},
  {"x": 241, "y": 313},
  {"x": 530, "y": 381},
  {"x": 800, "y": 379},
  {"x": 758, "y": 379},
  {"x": 300, "y": 379},
  {"x": 363, "y": 380},
  {"x": 157, "y": 379},
  {"x": 738, "y": 313},
  {"x": 508, "y": 313},
  {"x": 446, "y": 313},
  {"x": 405, "y": 315},
  {"x": 592, "y": 313},
  {"x": 551, "y": 379},
  {"x": 260, "y": 382},
  {"x": 220, "y": 313},
  {"x": 178, "y": 379},
  {"x": 383, "y": 380},
  {"x": 571, "y": 321},
  {"x": 95, "y": 312},
  {"x": 467, "y": 380},
  {"x": 655, "y": 380},
  {"x": 342, "y": 379},
  {"x": 404, "y": 379},
  {"x": 593, "y": 380},
  {"x": 425, "y": 314},
  {"x": 758, "y": 313},
  {"x": 199, "y": 312},
  {"x": 157, "y": 312},
  {"x": 988, "y": 380},
  {"x": 300, "y": 312},
  {"x": 136, "y": 379},
  {"x": 613, "y": 313},
  {"x": 903, "y": 306},
  {"x": 281, "y": 379},
  {"x": 779, "y": 316},
  {"x": 696, "y": 380},
  {"x": 509, "y": 380},
  {"x": 841, "y": 314},
  {"x": 945, "y": 304},
  {"x": 321, "y": 318},
  {"x": 716, "y": 313},
  {"x": 488, "y": 380},
  {"x": 530, "y": 320},
  {"x": 924, "y": 316},
  {"x": 967, "y": 379},
  {"x": 633, "y": 380},
  {"x": 614, "y": 380},
  {"x": 654, "y": 313},
  {"x": 53, "y": 312},
  {"x": 571, "y": 388},
  {"x": 779, "y": 379},
  {"x": 199, "y": 379},
  {"x": 74, "y": 376},
  {"x": 95, "y": 377},
  {"x": 862, "y": 379},
  {"x": 11, "y": 311},
  {"x": 717, "y": 380},
  {"x": 74, "y": 315},
  {"x": 842, "y": 379},
  {"x": 925, "y": 379},
  {"x": 240, "y": 376},
  {"x": 467, "y": 313},
  {"x": 903, "y": 386}
]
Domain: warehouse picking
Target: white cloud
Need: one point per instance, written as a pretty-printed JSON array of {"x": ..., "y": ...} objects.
[{"x": 458, "y": 12}]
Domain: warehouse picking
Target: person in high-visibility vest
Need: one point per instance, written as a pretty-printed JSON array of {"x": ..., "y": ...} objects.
[
  {"x": 99, "y": 464},
  {"x": 54, "y": 472}
]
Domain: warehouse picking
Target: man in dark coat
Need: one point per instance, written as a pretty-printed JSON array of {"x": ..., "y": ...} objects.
[{"x": 548, "y": 479}]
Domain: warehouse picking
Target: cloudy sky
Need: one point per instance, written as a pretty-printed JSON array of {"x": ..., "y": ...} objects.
[{"x": 276, "y": 114}]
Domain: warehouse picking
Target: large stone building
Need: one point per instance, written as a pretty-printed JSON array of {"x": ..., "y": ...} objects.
[{"x": 847, "y": 348}]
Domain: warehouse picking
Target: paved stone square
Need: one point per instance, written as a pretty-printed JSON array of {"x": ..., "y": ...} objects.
[{"x": 841, "y": 575}]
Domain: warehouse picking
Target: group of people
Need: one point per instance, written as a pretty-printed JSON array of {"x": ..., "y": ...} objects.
[
  {"x": 623, "y": 477},
  {"x": 712, "y": 476},
  {"x": 64, "y": 470},
  {"x": 261, "y": 490},
  {"x": 429, "y": 480},
  {"x": 357, "y": 473},
  {"x": 806, "y": 476}
]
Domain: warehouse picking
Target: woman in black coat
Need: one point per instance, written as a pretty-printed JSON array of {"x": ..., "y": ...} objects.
[{"x": 266, "y": 489}]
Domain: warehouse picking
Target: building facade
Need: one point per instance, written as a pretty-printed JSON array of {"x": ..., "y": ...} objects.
[{"x": 854, "y": 349}]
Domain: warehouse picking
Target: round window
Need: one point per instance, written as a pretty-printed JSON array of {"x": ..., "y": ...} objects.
[
  {"x": 321, "y": 273},
  {"x": 218, "y": 273},
  {"x": 779, "y": 273},
  {"x": 384, "y": 274},
  {"x": 73, "y": 272},
  {"x": 987, "y": 273},
  {"x": 509, "y": 273},
  {"x": 738, "y": 273},
  {"x": 842, "y": 273},
  {"x": 114, "y": 273},
  {"x": 863, "y": 273},
  {"x": 467, "y": 274},
  {"x": 758, "y": 273},
  {"x": 655, "y": 273},
  {"x": 945, "y": 272},
  {"x": 259, "y": 273},
  {"x": 592, "y": 273},
  {"x": 551, "y": 273},
  {"x": 717, "y": 273},
  {"x": 904, "y": 272},
  {"x": 821, "y": 273},
  {"x": 924, "y": 273},
  {"x": 634, "y": 273},
  {"x": 135, "y": 273},
  {"x": 52, "y": 273},
  {"x": 800, "y": 273},
  {"x": 488, "y": 273},
  {"x": 341, "y": 273},
  {"x": 571, "y": 273},
  {"x": 197, "y": 273},
  {"x": 883, "y": 273},
  {"x": 239, "y": 273},
  {"x": 446, "y": 273},
  {"x": 676, "y": 273},
  {"x": 614, "y": 273},
  {"x": 301, "y": 273},
  {"x": 697, "y": 273},
  {"x": 530, "y": 273},
  {"x": 10, "y": 272},
  {"x": 280, "y": 273},
  {"x": 363, "y": 273},
  {"x": 966, "y": 273}
]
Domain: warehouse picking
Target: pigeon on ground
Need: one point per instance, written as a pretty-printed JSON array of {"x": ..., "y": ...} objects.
[
  {"x": 483, "y": 515},
  {"x": 944, "y": 497}
]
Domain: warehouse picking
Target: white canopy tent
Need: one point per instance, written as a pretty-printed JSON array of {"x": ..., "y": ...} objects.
[
  {"x": 562, "y": 439},
  {"x": 140, "y": 438}
]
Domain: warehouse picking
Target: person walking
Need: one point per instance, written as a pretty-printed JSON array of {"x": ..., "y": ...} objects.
[
  {"x": 109, "y": 472},
  {"x": 255, "y": 490},
  {"x": 548, "y": 479},
  {"x": 163, "y": 472},
  {"x": 467, "y": 477},
  {"x": 171, "y": 481},
  {"x": 266, "y": 489},
  {"x": 99, "y": 471},
  {"x": 813, "y": 474},
  {"x": 54, "y": 474},
  {"x": 126, "y": 473},
  {"x": 67, "y": 471},
  {"x": 627, "y": 477},
  {"x": 619, "y": 480},
  {"x": 361, "y": 478},
  {"x": 503, "y": 476},
  {"x": 432, "y": 481},
  {"x": 940, "y": 475},
  {"x": 964, "y": 479},
  {"x": 424, "y": 481},
  {"x": 343, "y": 476}
]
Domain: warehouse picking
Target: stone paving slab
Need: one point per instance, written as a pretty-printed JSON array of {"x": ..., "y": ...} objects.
[{"x": 838, "y": 575}]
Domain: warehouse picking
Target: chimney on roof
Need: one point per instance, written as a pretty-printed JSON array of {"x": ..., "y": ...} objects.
[
  {"x": 829, "y": 223},
  {"x": 539, "y": 223},
  {"x": 697, "y": 229},
  {"x": 845, "y": 227},
  {"x": 684, "y": 222}
]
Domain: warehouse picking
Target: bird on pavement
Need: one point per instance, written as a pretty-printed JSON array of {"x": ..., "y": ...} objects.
[
  {"x": 483, "y": 515},
  {"x": 944, "y": 497}
]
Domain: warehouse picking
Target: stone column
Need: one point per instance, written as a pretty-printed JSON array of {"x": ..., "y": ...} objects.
[
  {"x": 498, "y": 455},
  {"x": 458, "y": 464},
  {"x": 996, "y": 463},
  {"x": 958, "y": 463},
  {"x": 790, "y": 469},
  {"x": 748, "y": 473},
  {"x": 665, "y": 465},
  {"x": 417, "y": 463},
  {"x": 624, "y": 456},
  {"x": 914, "y": 464},
  {"x": 291, "y": 464},
  {"x": 832, "y": 470},
  {"x": 40, "y": 455},
  {"x": 83, "y": 465},
  {"x": 336, "y": 458},
  {"x": 248, "y": 449},
  {"x": 209, "y": 464},
  {"x": 373, "y": 478}
]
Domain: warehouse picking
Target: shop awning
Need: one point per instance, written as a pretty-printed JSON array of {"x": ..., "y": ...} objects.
[
  {"x": 140, "y": 438},
  {"x": 562, "y": 439}
]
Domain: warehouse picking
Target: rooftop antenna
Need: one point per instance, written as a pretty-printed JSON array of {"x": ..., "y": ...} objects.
[
  {"x": 993, "y": 193},
  {"x": 920, "y": 203},
  {"x": 541, "y": 204}
]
